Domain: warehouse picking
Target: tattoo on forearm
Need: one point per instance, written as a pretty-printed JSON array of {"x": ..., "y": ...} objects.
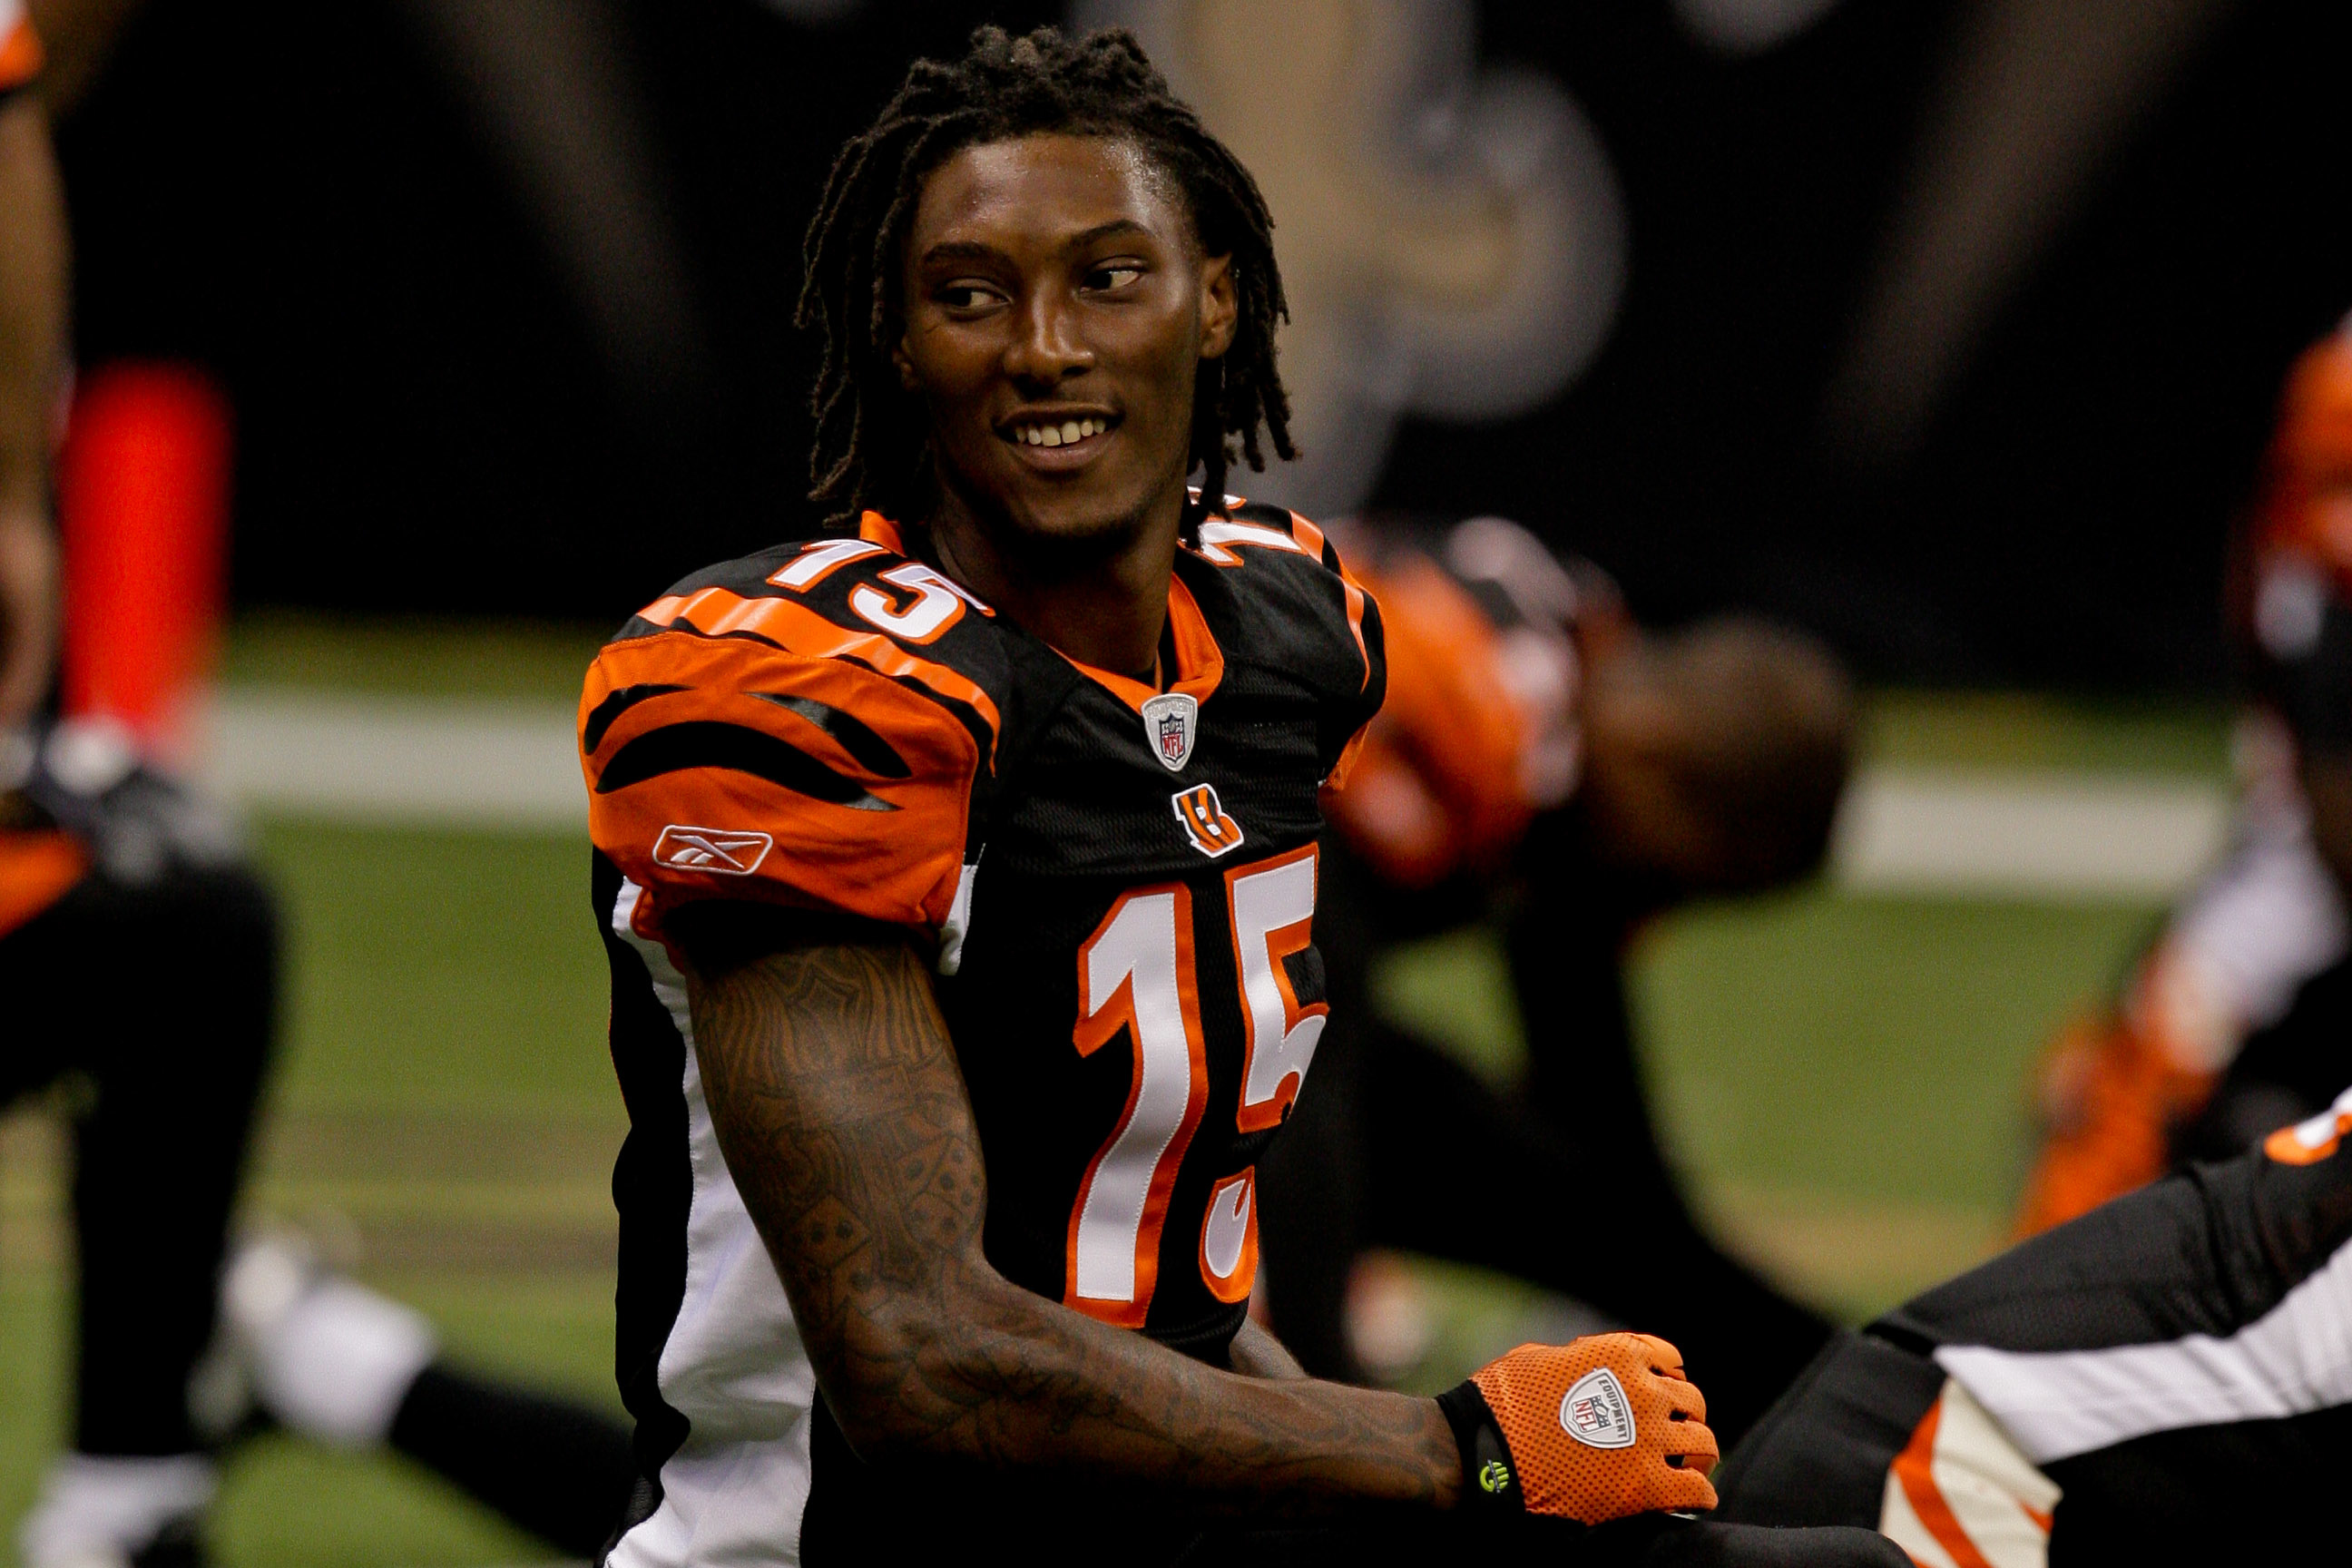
[{"x": 843, "y": 1116}]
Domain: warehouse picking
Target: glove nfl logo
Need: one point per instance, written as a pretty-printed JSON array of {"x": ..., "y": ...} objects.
[{"x": 1595, "y": 1412}]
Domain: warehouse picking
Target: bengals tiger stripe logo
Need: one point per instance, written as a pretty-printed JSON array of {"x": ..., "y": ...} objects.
[{"x": 1212, "y": 833}]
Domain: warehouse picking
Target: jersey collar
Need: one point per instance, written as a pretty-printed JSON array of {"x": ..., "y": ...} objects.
[
  {"x": 876, "y": 529},
  {"x": 1200, "y": 662}
]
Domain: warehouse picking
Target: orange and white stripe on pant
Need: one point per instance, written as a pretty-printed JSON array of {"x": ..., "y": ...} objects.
[{"x": 1961, "y": 1495}]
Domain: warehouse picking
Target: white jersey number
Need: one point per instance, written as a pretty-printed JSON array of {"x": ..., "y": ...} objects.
[
  {"x": 1273, "y": 916},
  {"x": 1137, "y": 976}
]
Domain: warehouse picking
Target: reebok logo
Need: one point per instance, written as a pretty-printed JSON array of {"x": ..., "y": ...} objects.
[
  {"x": 1595, "y": 1412},
  {"x": 722, "y": 851}
]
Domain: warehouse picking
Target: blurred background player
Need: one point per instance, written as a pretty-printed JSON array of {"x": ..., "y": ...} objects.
[
  {"x": 1543, "y": 765},
  {"x": 138, "y": 961},
  {"x": 135, "y": 954},
  {"x": 2130, "y": 1386},
  {"x": 2161, "y": 1348},
  {"x": 2237, "y": 1018}
]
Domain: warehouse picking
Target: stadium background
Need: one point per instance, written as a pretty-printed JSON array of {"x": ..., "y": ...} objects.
[{"x": 1950, "y": 329}]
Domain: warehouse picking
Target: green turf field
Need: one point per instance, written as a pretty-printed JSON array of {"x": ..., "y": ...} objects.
[{"x": 1842, "y": 1078}]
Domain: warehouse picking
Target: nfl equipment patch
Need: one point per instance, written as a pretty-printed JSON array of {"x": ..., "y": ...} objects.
[
  {"x": 1595, "y": 1412},
  {"x": 1170, "y": 722}
]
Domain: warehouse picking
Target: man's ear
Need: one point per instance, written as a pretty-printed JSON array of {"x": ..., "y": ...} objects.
[
  {"x": 905, "y": 363},
  {"x": 1220, "y": 306}
]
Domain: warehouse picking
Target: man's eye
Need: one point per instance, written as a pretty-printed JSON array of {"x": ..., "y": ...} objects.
[
  {"x": 965, "y": 296},
  {"x": 1113, "y": 277}
]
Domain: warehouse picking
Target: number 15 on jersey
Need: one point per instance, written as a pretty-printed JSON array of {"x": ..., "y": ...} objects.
[{"x": 1137, "y": 976}]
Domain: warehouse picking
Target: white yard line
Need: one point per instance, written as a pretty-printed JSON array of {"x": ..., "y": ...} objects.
[
  {"x": 471, "y": 762},
  {"x": 2032, "y": 835},
  {"x": 394, "y": 760}
]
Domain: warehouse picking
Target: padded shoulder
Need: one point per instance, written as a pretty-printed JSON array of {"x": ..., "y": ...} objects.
[
  {"x": 1298, "y": 608},
  {"x": 802, "y": 727}
]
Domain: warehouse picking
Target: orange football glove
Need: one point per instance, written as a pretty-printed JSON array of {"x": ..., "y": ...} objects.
[{"x": 1593, "y": 1430}]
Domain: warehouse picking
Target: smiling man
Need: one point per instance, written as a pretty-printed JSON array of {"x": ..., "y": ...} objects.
[{"x": 958, "y": 868}]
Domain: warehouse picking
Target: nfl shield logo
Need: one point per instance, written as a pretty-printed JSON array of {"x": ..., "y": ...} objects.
[
  {"x": 1595, "y": 1412},
  {"x": 1169, "y": 721}
]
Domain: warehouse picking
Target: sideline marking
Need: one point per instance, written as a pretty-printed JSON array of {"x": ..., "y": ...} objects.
[{"x": 472, "y": 762}]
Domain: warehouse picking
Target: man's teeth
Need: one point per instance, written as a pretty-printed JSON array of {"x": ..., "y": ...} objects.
[{"x": 1068, "y": 432}]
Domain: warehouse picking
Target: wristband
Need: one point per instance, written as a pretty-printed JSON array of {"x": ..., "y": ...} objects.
[{"x": 1490, "y": 1483}]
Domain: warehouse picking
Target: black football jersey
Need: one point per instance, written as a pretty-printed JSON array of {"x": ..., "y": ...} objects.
[{"x": 1119, "y": 883}]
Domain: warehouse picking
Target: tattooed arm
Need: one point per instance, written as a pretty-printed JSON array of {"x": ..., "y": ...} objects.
[
  {"x": 1255, "y": 1353},
  {"x": 842, "y": 1117}
]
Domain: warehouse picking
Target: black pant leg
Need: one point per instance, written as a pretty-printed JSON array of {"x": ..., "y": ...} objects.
[
  {"x": 163, "y": 994},
  {"x": 558, "y": 1470},
  {"x": 1459, "y": 1172},
  {"x": 2238, "y": 1265},
  {"x": 1820, "y": 1454},
  {"x": 1741, "y": 1336},
  {"x": 2171, "y": 1361},
  {"x": 35, "y": 1046}
]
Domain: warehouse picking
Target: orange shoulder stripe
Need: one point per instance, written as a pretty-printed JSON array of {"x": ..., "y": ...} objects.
[
  {"x": 796, "y": 628},
  {"x": 714, "y": 822}
]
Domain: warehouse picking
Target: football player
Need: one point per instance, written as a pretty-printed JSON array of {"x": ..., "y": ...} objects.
[
  {"x": 32, "y": 334},
  {"x": 2134, "y": 1385},
  {"x": 95, "y": 865},
  {"x": 139, "y": 964},
  {"x": 134, "y": 954},
  {"x": 957, "y": 870},
  {"x": 2234, "y": 1020},
  {"x": 1542, "y": 763}
]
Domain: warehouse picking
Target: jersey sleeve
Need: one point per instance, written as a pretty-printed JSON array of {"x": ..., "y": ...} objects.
[
  {"x": 721, "y": 765},
  {"x": 20, "y": 48},
  {"x": 1327, "y": 626},
  {"x": 1368, "y": 628}
]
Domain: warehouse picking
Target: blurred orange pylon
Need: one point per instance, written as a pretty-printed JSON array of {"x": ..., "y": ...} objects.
[{"x": 142, "y": 505}]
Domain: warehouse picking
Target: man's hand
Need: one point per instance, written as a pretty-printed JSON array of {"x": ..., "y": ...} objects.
[
  {"x": 843, "y": 1116},
  {"x": 1597, "y": 1429}
]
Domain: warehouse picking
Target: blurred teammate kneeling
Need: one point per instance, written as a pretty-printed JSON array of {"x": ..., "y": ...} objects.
[
  {"x": 1543, "y": 765},
  {"x": 2237, "y": 1018}
]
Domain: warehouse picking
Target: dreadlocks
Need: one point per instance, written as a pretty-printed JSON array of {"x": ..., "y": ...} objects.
[{"x": 869, "y": 449}]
